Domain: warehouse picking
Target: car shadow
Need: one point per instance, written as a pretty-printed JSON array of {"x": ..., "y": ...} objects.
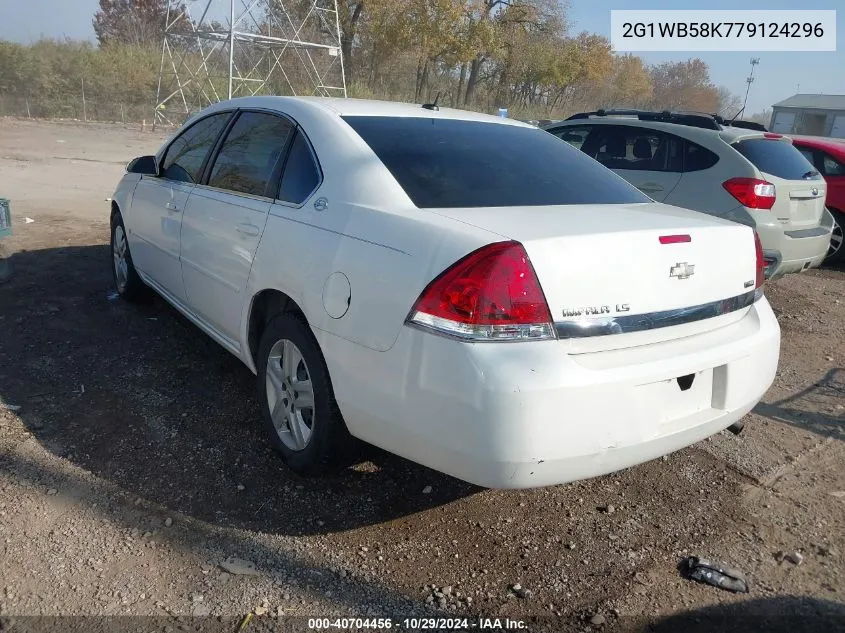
[
  {"x": 139, "y": 396},
  {"x": 783, "y": 614},
  {"x": 824, "y": 395}
]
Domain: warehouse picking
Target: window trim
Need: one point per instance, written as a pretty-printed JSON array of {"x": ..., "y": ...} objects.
[{"x": 211, "y": 152}]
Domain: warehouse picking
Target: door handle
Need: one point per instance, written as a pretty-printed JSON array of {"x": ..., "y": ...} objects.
[
  {"x": 247, "y": 229},
  {"x": 170, "y": 206},
  {"x": 650, "y": 187}
]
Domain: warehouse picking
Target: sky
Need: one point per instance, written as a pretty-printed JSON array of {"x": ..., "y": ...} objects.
[{"x": 777, "y": 77}]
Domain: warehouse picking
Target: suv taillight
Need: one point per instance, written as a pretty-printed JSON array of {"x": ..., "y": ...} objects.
[
  {"x": 492, "y": 294},
  {"x": 761, "y": 261},
  {"x": 751, "y": 192}
]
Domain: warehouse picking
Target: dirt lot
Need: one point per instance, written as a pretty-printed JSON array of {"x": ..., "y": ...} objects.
[{"x": 132, "y": 469}]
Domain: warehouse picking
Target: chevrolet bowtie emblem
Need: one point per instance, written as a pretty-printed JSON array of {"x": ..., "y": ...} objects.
[{"x": 682, "y": 270}]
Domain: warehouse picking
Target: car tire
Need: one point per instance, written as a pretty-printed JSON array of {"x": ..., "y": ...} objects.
[
  {"x": 313, "y": 440},
  {"x": 126, "y": 280},
  {"x": 836, "y": 253}
]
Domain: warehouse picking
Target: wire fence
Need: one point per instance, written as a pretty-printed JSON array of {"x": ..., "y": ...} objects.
[{"x": 87, "y": 110}]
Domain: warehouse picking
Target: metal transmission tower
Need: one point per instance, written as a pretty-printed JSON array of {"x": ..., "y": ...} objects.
[
  {"x": 749, "y": 80},
  {"x": 219, "y": 49}
]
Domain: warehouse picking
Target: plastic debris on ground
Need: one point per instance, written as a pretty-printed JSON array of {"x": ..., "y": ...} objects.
[{"x": 716, "y": 574}]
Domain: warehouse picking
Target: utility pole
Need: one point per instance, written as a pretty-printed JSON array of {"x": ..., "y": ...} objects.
[{"x": 749, "y": 80}]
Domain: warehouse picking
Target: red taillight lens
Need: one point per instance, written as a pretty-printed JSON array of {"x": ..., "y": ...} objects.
[
  {"x": 492, "y": 294},
  {"x": 761, "y": 261},
  {"x": 751, "y": 192}
]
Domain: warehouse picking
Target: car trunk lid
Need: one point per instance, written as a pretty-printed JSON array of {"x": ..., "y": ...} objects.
[
  {"x": 600, "y": 262},
  {"x": 799, "y": 188}
]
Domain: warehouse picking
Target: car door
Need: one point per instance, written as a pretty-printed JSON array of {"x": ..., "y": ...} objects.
[
  {"x": 833, "y": 170},
  {"x": 226, "y": 214},
  {"x": 648, "y": 159},
  {"x": 159, "y": 201}
]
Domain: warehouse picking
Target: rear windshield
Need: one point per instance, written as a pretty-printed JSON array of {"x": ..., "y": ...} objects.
[
  {"x": 448, "y": 163},
  {"x": 778, "y": 158}
]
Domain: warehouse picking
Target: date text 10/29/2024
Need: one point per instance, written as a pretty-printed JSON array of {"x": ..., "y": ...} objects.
[{"x": 417, "y": 624}]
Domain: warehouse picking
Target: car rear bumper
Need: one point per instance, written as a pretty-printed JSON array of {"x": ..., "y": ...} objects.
[
  {"x": 795, "y": 251},
  {"x": 521, "y": 415}
]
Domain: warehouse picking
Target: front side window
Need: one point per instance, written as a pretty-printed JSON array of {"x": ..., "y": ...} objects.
[
  {"x": 187, "y": 153},
  {"x": 635, "y": 148},
  {"x": 450, "y": 163},
  {"x": 575, "y": 136},
  {"x": 248, "y": 157}
]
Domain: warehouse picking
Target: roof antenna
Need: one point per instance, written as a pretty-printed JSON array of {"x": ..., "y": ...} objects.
[
  {"x": 433, "y": 106},
  {"x": 741, "y": 110}
]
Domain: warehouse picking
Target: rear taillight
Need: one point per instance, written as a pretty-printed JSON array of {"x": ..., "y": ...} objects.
[
  {"x": 492, "y": 294},
  {"x": 761, "y": 261},
  {"x": 751, "y": 192}
]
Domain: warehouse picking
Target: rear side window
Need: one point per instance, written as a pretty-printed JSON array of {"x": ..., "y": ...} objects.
[
  {"x": 697, "y": 158},
  {"x": 250, "y": 152},
  {"x": 450, "y": 163},
  {"x": 778, "y": 158},
  {"x": 301, "y": 175},
  {"x": 186, "y": 155}
]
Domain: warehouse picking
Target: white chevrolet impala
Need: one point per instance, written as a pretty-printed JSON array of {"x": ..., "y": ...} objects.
[{"x": 468, "y": 292}]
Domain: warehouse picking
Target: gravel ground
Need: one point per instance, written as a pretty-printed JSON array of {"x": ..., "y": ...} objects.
[{"x": 134, "y": 479}]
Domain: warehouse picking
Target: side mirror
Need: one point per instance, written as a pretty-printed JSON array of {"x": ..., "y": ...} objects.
[{"x": 145, "y": 165}]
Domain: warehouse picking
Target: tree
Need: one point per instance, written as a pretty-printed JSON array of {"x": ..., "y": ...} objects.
[
  {"x": 132, "y": 22},
  {"x": 764, "y": 117},
  {"x": 728, "y": 103},
  {"x": 629, "y": 83},
  {"x": 684, "y": 86},
  {"x": 349, "y": 14}
]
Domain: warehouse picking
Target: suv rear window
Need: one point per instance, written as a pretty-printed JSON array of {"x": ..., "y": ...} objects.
[
  {"x": 778, "y": 158},
  {"x": 450, "y": 163}
]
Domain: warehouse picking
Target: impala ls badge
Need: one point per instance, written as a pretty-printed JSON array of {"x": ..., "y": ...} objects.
[
  {"x": 594, "y": 310},
  {"x": 682, "y": 270}
]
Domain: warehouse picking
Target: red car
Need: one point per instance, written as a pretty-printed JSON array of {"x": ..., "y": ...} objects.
[{"x": 828, "y": 156}]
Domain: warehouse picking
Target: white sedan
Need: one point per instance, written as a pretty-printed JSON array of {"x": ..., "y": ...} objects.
[{"x": 466, "y": 291}]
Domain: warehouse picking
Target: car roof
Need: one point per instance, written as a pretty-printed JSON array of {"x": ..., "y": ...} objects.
[
  {"x": 362, "y": 107},
  {"x": 728, "y": 134},
  {"x": 833, "y": 145}
]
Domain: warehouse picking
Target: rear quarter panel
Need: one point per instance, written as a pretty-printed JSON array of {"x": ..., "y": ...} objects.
[{"x": 370, "y": 233}]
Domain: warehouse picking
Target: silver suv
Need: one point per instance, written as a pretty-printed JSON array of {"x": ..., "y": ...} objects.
[{"x": 701, "y": 162}]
